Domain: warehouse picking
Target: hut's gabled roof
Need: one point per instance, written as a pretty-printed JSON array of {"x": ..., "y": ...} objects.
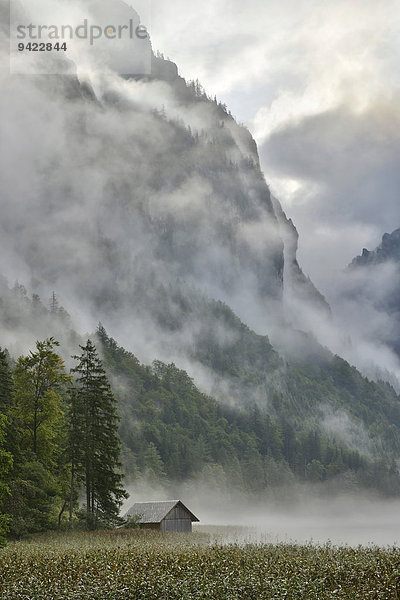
[{"x": 155, "y": 512}]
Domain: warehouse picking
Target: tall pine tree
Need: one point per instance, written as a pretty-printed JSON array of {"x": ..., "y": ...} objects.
[
  {"x": 95, "y": 421},
  {"x": 6, "y": 383}
]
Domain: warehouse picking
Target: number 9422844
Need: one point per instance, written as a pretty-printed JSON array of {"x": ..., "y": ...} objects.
[{"x": 42, "y": 47}]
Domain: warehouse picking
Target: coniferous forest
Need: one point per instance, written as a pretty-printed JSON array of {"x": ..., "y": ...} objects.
[{"x": 73, "y": 439}]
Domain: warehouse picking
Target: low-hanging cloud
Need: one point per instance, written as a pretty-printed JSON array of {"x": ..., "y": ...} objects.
[{"x": 137, "y": 206}]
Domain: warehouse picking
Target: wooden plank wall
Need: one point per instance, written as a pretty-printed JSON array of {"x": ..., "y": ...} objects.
[
  {"x": 181, "y": 525},
  {"x": 177, "y": 520}
]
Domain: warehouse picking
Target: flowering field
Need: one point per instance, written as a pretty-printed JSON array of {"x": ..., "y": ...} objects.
[{"x": 143, "y": 565}]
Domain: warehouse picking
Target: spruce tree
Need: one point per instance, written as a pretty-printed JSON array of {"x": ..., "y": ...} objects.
[
  {"x": 97, "y": 460},
  {"x": 6, "y": 383}
]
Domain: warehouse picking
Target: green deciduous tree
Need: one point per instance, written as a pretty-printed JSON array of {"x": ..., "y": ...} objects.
[
  {"x": 33, "y": 503},
  {"x": 96, "y": 422},
  {"x": 38, "y": 381},
  {"x": 37, "y": 439}
]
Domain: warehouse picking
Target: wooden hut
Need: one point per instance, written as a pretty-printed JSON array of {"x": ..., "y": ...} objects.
[{"x": 171, "y": 515}]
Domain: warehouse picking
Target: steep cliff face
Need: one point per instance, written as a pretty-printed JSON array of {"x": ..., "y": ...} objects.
[
  {"x": 299, "y": 290},
  {"x": 140, "y": 194},
  {"x": 132, "y": 195}
]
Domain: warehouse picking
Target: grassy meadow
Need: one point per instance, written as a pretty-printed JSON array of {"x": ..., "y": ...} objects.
[{"x": 132, "y": 564}]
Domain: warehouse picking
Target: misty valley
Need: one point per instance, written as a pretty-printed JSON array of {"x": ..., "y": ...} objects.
[{"x": 160, "y": 341}]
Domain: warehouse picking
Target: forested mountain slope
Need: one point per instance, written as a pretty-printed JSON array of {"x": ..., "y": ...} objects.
[
  {"x": 325, "y": 423},
  {"x": 276, "y": 423},
  {"x": 144, "y": 206}
]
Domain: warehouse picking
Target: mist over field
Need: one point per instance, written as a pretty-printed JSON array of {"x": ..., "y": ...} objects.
[
  {"x": 342, "y": 522},
  {"x": 299, "y": 514},
  {"x": 347, "y": 522}
]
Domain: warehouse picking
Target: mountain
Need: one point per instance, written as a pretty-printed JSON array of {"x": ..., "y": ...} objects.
[
  {"x": 376, "y": 276},
  {"x": 154, "y": 192},
  {"x": 388, "y": 250},
  {"x": 142, "y": 203}
]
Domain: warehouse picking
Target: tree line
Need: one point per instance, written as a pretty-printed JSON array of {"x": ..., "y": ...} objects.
[
  {"x": 59, "y": 443},
  {"x": 60, "y": 446},
  {"x": 173, "y": 433}
]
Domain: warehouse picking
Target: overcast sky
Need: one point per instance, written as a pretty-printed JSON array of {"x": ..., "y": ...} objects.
[{"x": 317, "y": 83}]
